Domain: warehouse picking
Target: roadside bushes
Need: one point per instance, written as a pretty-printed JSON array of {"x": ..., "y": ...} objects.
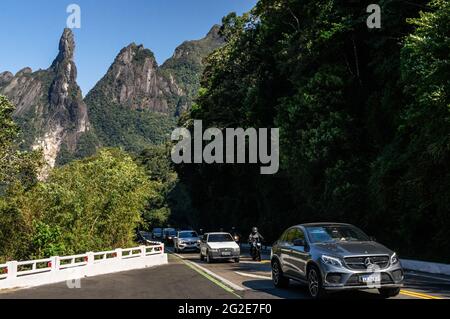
[{"x": 89, "y": 205}]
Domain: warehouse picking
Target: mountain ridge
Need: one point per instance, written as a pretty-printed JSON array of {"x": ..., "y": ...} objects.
[{"x": 135, "y": 104}]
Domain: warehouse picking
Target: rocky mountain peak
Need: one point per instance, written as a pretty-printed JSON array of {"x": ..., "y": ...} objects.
[
  {"x": 49, "y": 104},
  {"x": 134, "y": 53},
  {"x": 5, "y": 77},
  {"x": 134, "y": 82},
  {"x": 214, "y": 33},
  {"x": 24, "y": 71},
  {"x": 66, "y": 48}
]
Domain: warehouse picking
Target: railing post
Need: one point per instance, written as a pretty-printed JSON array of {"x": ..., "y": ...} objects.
[
  {"x": 12, "y": 269},
  {"x": 144, "y": 251},
  {"x": 90, "y": 257},
  {"x": 119, "y": 253},
  {"x": 56, "y": 263}
]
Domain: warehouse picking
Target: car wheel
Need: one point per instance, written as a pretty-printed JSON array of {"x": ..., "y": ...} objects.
[
  {"x": 389, "y": 292},
  {"x": 278, "y": 278},
  {"x": 315, "y": 287},
  {"x": 208, "y": 258},
  {"x": 237, "y": 260}
]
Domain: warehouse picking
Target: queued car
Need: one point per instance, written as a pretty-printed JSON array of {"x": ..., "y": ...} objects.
[
  {"x": 186, "y": 240},
  {"x": 144, "y": 238},
  {"x": 157, "y": 234},
  {"x": 334, "y": 257},
  {"x": 219, "y": 246},
  {"x": 168, "y": 235}
]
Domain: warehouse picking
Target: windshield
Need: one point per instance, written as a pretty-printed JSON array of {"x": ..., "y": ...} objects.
[
  {"x": 188, "y": 234},
  {"x": 335, "y": 233},
  {"x": 217, "y": 238},
  {"x": 146, "y": 235}
]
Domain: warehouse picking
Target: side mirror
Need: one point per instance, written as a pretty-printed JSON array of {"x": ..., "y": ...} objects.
[{"x": 299, "y": 243}]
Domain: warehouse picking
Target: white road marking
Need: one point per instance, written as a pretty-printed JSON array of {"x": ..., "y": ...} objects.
[
  {"x": 253, "y": 276},
  {"x": 427, "y": 276},
  {"x": 212, "y": 274}
]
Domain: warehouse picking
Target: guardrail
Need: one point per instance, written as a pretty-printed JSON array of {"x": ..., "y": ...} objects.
[{"x": 31, "y": 273}]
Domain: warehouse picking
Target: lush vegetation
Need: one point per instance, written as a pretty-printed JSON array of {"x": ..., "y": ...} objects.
[
  {"x": 186, "y": 66},
  {"x": 171, "y": 203},
  {"x": 133, "y": 130},
  {"x": 363, "y": 114},
  {"x": 88, "y": 205}
]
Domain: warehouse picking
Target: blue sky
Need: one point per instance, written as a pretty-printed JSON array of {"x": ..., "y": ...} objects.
[{"x": 30, "y": 30}]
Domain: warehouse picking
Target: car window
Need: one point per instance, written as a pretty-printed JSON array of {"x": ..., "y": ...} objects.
[
  {"x": 188, "y": 234},
  {"x": 333, "y": 233},
  {"x": 284, "y": 236},
  {"x": 217, "y": 238},
  {"x": 294, "y": 234}
]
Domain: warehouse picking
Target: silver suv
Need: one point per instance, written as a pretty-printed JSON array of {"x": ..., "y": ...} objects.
[{"x": 334, "y": 257}]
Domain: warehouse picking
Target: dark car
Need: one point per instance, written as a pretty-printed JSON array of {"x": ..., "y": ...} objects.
[
  {"x": 334, "y": 257},
  {"x": 144, "y": 237},
  {"x": 157, "y": 234},
  {"x": 169, "y": 235}
]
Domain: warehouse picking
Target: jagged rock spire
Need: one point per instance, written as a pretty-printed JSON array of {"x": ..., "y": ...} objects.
[{"x": 66, "y": 48}]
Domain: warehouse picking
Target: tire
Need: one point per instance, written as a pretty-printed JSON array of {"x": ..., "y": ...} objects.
[
  {"x": 389, "y": 292},
  {"x": 278, "y": 278},
  {"x": 315, "y": 287},
  {"x": 208, "y": 258},
  {"x": 237, "y": 260}
]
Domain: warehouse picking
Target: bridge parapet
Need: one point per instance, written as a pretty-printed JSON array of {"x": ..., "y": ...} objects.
[{"x": 56, "y": 269}]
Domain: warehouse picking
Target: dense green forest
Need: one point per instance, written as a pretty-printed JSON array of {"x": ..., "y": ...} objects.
[{"x": 363, "y": 114}]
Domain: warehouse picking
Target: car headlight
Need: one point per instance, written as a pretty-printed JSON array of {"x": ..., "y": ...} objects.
[
  {"x": 236, "y": 249},
  {"x": 328, "y": 260},
  {"x": 394, "y": 259},
  {"x": 214, "y": 250},
  {"x": 181, "y": 242}
]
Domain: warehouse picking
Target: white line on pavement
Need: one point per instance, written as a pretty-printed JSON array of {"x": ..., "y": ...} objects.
[
  {"x": 427, "y": 276},
  {"x": 253, "y": 276},
  {"x": 213, "y": 274}
]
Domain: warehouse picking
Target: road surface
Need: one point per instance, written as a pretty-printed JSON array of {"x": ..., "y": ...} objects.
[{"x": 185, "y": 277}]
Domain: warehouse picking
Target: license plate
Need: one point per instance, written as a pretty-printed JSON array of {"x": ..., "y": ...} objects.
[
  {"x": 372, "y": 278},
  {"x": 226, "y": 253}
]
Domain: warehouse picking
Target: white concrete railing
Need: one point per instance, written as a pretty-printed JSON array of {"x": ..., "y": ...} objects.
[{"x": 59, "y": 269}]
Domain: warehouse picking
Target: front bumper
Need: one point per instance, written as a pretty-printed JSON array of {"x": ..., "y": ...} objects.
[
  {"x": 222, "y": 255},
  {"x": 184, "y": 247},
  {"x": 343, "y": 278}
]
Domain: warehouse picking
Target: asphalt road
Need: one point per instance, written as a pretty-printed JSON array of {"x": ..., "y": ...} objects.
[{"x": 185, "y": 277}]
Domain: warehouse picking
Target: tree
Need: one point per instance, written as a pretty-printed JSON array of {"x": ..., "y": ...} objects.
[
  {"x": 15, "y": 166},
  {"x": 89, "y": 205}
]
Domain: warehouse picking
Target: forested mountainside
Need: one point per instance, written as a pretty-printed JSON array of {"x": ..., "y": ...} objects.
[
  {"x": 134, "y": 105},
  {"x": 363, "y": 116},
  {"x": 137, "y": 102}
]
